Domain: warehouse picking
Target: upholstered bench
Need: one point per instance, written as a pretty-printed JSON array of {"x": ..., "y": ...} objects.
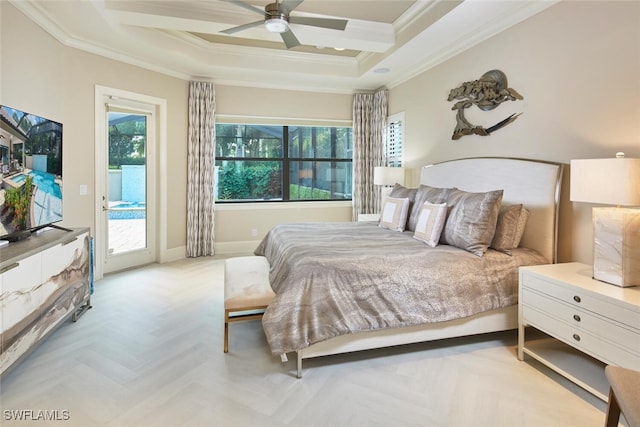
[
  {"x": 247, "y": 291},
  {"x": 624, "y": 396}
]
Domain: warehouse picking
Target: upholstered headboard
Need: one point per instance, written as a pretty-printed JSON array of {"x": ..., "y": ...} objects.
[{"x": 533, "y": 183}]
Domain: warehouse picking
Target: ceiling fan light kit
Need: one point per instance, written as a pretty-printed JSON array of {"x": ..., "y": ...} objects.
[
  {"x": 277, "y": 19},
  {"x": 274, "y": 20},
  {"x": 276, "y": 25}
]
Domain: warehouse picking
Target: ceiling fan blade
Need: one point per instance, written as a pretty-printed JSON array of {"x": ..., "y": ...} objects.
[
  {"x": 334, "y": 24},
  {"x": 289, "y": 5},
  {"x": 289, "y": 39},
  {"x": 242, "y": 27},
  {"x": 246, "y": 6}
]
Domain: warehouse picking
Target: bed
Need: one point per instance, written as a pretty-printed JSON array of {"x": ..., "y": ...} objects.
[{"x": 344, "y": 287}]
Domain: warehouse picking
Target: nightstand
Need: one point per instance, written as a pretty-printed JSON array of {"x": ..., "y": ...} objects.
[
  {"x": 576, "y": 325},
  {"x": 368, "y": 217}
]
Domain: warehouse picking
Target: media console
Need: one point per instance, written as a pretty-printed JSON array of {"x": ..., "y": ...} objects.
[{"x": 44, "y": 280}]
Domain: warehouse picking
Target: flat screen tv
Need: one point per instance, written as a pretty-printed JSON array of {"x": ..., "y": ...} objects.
[{"x": 31, "y": 173}]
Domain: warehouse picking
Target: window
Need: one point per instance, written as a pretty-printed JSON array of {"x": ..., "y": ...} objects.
[
  {"x": 282, "y": 163},
  {"x": 393, "y": 141}
]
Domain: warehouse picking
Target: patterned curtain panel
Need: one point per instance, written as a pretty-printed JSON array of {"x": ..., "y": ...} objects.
[
  {"x": 201, "y": 161},
  {"x": 369, "y": 121}
]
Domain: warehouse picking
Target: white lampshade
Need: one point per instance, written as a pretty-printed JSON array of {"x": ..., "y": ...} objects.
[
  {"x": 616, "y": 231},
  {"x": 384, "y": 175},
  {"x": 614, "y": 181}
]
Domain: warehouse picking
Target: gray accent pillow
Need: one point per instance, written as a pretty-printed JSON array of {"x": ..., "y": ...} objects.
[
  {"x": 472, "y": 218},
  {"x": 509, "y": 228},
  {"x": 429, "y": 194},
  {"x": 402, "y": 192}
]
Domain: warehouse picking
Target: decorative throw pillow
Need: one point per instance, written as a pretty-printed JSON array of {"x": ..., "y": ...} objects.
[
  {"x": 394, "y": 214},
  {"x": 509, "y": 228},
  {"x": 430, "y": 223},
  {"x": 401, "y": 192},
  {"x": 472, "y": 218},
  {"x": 429, "y": 194}
]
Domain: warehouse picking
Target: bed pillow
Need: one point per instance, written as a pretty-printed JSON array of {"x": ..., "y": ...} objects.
[
  {"x": 509, "y": 228},
  {"x": 394, "y": 214},
  {"x": 402, "y": 192},
  {"x": 472, "y": 218},
  {"x": 430, "y": 223},
  {"x": 429, "y": 194}
]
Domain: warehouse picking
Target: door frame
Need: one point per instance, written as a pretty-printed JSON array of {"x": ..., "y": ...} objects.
[{"x": 159, "y": 178}]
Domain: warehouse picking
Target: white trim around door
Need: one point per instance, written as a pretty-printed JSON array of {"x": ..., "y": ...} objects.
[{"x": 156, "y": 180}]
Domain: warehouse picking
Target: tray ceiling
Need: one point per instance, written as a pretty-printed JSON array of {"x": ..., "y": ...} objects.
[{"x": 384, "y": 43}]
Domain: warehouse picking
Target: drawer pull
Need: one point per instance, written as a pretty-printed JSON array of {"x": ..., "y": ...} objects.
[
  {"x": 576, "y": 298},
  {"x": 576, "y": 337},
  {"x": 576, "y": 317}
]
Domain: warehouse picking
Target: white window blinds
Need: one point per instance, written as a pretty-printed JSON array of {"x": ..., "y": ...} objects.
[{"x": 393, "y": 141}]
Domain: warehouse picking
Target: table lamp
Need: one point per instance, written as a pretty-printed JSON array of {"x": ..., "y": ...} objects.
[
  {"x": 616, "y": 230},
  {"x": 387, "y": 177}
]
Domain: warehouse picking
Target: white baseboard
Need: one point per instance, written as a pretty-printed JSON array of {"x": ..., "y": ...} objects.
[
  {"x": 173, "y": 254},
  {"x": 221, "y": 248},
  {"x": 240, "y": 247}
]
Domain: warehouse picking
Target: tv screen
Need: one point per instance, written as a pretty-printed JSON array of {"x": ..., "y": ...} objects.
[{"x": 31, "y": 172}]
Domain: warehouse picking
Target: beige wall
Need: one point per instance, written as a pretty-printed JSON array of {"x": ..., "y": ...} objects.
[
  {"x": 239, "y": 227},
  {"x": 577, "y": 65},
  {"x": 43, "y": 77}
]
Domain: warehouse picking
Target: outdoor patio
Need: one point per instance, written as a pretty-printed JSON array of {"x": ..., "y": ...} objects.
[{"x": 126, "y": 235}]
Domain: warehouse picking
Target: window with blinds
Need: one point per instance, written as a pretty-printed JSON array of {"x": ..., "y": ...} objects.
[{"x": 393, "y": 141}]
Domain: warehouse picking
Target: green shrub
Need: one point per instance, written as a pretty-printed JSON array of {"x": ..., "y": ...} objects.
[{"x": 19, "y": 200}]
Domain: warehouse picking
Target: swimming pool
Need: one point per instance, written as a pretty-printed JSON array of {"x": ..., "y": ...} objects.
[
  {"x": 127, "y": 210},
  {"x": 47, "y": 200},
  {"x": 19, "y": 178},
  {"x": 45, "y": 181}
]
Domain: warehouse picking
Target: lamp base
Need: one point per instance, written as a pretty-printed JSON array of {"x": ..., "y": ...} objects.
[{"x": 616, "y": 248}]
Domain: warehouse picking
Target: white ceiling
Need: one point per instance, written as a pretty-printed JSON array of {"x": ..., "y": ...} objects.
[{"x": 183, "y": 38}]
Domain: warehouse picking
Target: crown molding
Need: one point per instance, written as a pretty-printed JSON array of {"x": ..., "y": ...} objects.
[{"x": 186, "y": 56}]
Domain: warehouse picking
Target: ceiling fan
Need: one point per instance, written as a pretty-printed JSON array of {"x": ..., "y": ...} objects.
[{"x": 277, "y": 19}]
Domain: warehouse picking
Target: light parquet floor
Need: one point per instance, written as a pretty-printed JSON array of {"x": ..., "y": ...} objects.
[{"x": 149, "y": 353}]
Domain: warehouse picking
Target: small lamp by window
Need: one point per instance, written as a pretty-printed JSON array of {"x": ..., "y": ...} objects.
[
  {"x": 387, "y": 177},
  {"x": 616, "y": 231}
]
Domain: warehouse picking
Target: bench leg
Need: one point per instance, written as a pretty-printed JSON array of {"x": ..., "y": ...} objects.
[
  {"x": 613, "y": 411},
  {"x": 226, "y": 331},
  {"x": 238, "y": 318}
]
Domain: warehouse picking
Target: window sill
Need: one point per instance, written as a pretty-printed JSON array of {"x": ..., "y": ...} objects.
[{"x": 283, "y": 205}]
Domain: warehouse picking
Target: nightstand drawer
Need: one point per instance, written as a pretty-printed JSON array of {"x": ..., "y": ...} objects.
[
  {"x": 578, "y": 297},
  {"x": 584, "y": 320},
  {"x": 581, "y": 339}
]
